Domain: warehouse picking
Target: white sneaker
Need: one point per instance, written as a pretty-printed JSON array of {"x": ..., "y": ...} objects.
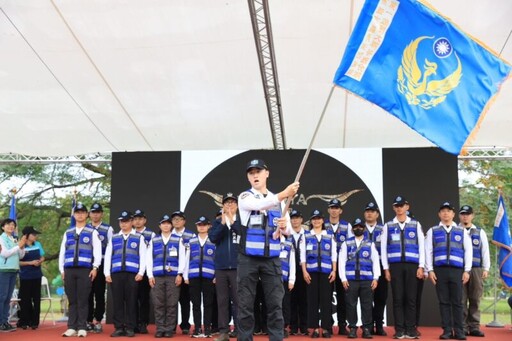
[
  {"x": 69, "y": 333},
  {"x": 82, "y": 333}
]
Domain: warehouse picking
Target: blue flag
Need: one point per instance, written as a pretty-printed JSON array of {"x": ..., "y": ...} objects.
[
  {"x": 73, "y": 205},
  {"x": 409, "y": 60},
  {"x": 12, "y": 211},
  {"x": 501, "y": 238}
]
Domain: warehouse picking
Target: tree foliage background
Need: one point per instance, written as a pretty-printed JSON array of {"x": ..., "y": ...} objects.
[{"x": 45, "y": 193}]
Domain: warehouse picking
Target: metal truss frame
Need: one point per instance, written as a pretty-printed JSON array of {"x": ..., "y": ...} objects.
[{"x": 262, "y": 30}]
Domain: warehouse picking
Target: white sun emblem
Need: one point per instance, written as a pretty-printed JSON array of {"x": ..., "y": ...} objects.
[{"x": 442, "y": 48}]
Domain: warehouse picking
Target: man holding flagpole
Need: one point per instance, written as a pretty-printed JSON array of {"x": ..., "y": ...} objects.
[{"x": 501, "y": 238}]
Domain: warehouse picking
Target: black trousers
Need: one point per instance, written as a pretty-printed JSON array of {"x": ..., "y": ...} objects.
[
  {"x": 320, "y": 301},
  {"x": 286, "y": 305},
  {"x": 184, "y": 306},
  {"x": 341, "y": 312},
  {"x": 299, "y": 304},
  {"x": 250, "y": 269},
  {"x": 226, "y": 286},
  {"x": 419, "y": 293},
  {"x": 205, "y": 289},
  {"x": 124, "y": 294},
  {"x": 404, "y": 288},
  {"x": 449, "y": 294},
  {"x": 97, "y": 295},
  {"x": 30, "y": 302},
  {"x": 380, "y": 296},
  {"x": 77, "y": 285},
  {"x": 361, "y": 290},
  {"x": 260, "y": 310},
  {"x": 142, "y": 309}
]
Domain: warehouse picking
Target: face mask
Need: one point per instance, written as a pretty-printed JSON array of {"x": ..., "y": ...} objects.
[{"x": 358, "y": 232}]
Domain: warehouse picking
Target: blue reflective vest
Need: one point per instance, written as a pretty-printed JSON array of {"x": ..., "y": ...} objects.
[
  {"x": 448, "y": 248},
  {"x": 359, "y": 261},
  {"x": 125, "y": 253},
  {"x": 476, "y": 241},
  {"x": 103, "y": 234},
  {"x": 202, "y": 259},
  {"x": 403, "y": 244},
  {"x": 79, "y": 248},
  {"x": 318, "y": 253},
  {"x": 341, "y": 233},
  {"x": 256, "y": 238},
  {"x": 166, "y": 256},
  {"x": 375, "y": 236},
  {"x": 286, "y": 248},
  {"x": 147, "y": 234}
]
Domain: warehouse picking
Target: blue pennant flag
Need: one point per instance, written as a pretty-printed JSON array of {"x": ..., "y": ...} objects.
[
  {"x": 12, "y": 211},
  {"x": 73, "y": 206},
  {"x": 501, "y": 238},
  {"x": 414, "y": 63}
]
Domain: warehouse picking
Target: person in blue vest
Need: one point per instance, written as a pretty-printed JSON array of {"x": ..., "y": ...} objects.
[
  {"x": 473, "y": 290},
  {"x": 11, "y": 250},
  {"x": 139, "y": 224},
  {"x": 403, "y": 261},
  {"x": 125, "y": 264},
  {"x": 448, "y": 260},
  {"x": 30, "y": 280},
  {"x": 97, "y": 296},
  {"x": 79, "y": 260},
  {"x": 200, "y": 275},
  {"x": 287, "y": 257},
  {"x": 225, "y": 234},
  {"x": 341, "y": 230},
  {"x": 359, "y": 268},
  {"x": 298, "y": 296},
  {"x": 373, "y": 232},
  {"x": 166, "y": 260},
  {"x": 319, "y": 260},
  {"x": 262, "y": 224},
  {"x": 179, "y": 231}
]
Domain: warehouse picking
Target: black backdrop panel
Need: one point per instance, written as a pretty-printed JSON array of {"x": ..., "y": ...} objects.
[{"x": 426, "y": 177}]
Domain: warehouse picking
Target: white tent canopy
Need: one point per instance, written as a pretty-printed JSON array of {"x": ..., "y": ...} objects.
[{"x": 86, "y": 76}]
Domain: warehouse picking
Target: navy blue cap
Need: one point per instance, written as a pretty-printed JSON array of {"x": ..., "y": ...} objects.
[
  {"x": 228, "y": 196},
  {"x": 30, "y": 230},
  {"x": 295, "y": 213},
  {"x": 256, "y": 163},
  {"x": 80, "y": 207},
  {"x": 400, "y": 201},
  {"x": 202, "y": 220},
  {"x": 446, "y": 204},
  {"x": 96, "y": 207},
  {"x": 165, "y": 218},
  {"x": 335, "y": 203},
  {"x": 316, "y": 214},
  {"x": 358, "y": 222},
  {"x": 466, "y": 209},
  {"x": 371, "y": 206},
  {"x": 178, "y": 213},
  {"x": 125, "y": 215},
  {"x": 139, "y": 213}
]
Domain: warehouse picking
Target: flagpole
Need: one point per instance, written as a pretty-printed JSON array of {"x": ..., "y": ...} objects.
[{"x": 495, "y": 323}]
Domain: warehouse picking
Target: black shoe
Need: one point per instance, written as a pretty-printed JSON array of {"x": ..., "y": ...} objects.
[
  {"x": 460, "y": 336},
  {"x": 6, "y": 328},
  {"x": 399, "y": 335},
  {"x": 117, "y": 333},
  {"x": 294, "y": 332},
  {"x": 234, "y": 334},
  {"x": 315, "y": 334},
  {"x": 197, "y": 332},
  {"x": 379, "y": 330},
  {"x": 445, "y": 336},
  {"x": 411, "y": 335},
  {"x": 89, "y": 326},
  {"x": 168, "y": 335},
  {"x": 185, "y": 331},
  {"x": 476, "y": 332},
  {"x": 136, "y": 330},
  {"x": 159, "y": 335},
  {"x": 326, "y": 334},
  {"x": 285, "y": 334},
  {"x": 143, "y": 328},
  {"x": 342, "y": 330},
  {"x": 367, "y": 334},
  {"x": 352, "y": 334},
  {"x": 129, "y": 333}
]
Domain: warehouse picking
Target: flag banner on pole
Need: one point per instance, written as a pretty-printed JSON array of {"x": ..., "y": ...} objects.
[
  {"x": 73, "y": 205},
  {"x": 414, "y": 63},
  {"x": 501, "y": 238},
  {"x": 12, "y": 211}
]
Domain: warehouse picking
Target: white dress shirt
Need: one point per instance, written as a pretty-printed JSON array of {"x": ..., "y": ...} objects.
[
  {"x": 384, "y": 243},
  {"x": 96, "y": 248},
  {"x": 142, "y": 254},
  {"x": 183, "y": 259}
]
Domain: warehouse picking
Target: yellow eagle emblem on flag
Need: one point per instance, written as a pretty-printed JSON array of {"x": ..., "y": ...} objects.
[{"x": 417, "y": 85}]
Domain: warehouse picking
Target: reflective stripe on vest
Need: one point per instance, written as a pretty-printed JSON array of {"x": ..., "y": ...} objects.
[
  {"x": 202, "y": 259},
  {"x": 403, "y": 244},
  {"x": 125, "y": 253},
  {"x": 286, "y": 248},
  {"x": 78, "y": 248},
  {"x": 318, "y": 253},
  {"x": 476, "y": 241},
  {"x": 341, "y": 233},
  {"x": 448, "y": 248},
  {"x": 147, "y": 234},
  {"x": 165, "y": 257},
  {"x": 359, "y": 262},
  {"x": 375, "y": 236}
]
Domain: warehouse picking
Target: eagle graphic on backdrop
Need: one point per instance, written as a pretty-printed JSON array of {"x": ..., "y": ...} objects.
[
  {"x": 417, "y": 85},
  {"x": 343, "y": 197}
]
